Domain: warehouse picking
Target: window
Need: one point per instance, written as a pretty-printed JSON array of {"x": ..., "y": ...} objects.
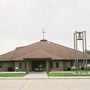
[
  {"x": 51, "y": 65},
  {"x": 71, "y": 63},
  {"x": 0, "y": 66},
  {"x": 57, "y": 64},
  {"x": 20, "y": 65}
]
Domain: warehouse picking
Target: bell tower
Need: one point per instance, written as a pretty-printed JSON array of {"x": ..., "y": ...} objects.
[{"x": 80, "y": 36}]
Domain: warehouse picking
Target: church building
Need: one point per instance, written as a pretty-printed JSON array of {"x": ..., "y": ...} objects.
[{"x": 43, "y": 55}]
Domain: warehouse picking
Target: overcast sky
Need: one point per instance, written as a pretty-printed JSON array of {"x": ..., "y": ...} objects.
[{"x": 22, "y": 21}]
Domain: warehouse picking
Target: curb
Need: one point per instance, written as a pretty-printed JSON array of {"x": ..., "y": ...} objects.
[{"x": 52, "y": 78}]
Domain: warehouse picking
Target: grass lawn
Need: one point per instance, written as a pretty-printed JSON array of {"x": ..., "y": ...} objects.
[
  {"x": 12, "y": 74},
  {"x": 67, "y": 73}
]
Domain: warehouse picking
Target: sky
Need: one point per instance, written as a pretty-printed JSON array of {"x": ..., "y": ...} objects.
[{"x": 22, "y": 22}]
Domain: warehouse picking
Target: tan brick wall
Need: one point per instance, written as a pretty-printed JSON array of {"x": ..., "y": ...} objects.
[
  {"x": 16, "y": 66},
  {"x": 68, "y": 64},
  {"x": 6, "y": 65},
  {"x": 61, "y": 65},
  {"x": 23, "y": 66},
  {"x": 54, "y": 65}
]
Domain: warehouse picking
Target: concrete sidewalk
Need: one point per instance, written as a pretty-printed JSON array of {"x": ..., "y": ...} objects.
[
  {"x": 43, "y": 75},
  {"x": 38, "y": 75}
]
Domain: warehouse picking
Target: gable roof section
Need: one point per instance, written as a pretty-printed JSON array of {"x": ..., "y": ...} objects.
[{"x": 42, "y": 49}]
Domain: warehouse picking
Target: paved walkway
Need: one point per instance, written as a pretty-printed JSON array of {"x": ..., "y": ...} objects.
[{"x": 36, "y": 75}]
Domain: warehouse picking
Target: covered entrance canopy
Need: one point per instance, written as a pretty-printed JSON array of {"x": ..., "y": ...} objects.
[{"x": 37, "y": 64}]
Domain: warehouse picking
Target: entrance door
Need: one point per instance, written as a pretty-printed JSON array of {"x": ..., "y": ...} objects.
[{"x": 38, "y": 65}]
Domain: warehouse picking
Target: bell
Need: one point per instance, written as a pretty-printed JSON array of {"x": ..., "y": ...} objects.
[{"x": 79, "y": 36}]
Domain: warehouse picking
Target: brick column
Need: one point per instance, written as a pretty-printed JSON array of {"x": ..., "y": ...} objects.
[
  {"x": 27, "y": 66},
  {"x": 54, "y": 65},
  {"x": 30, "y": 66},
  {"x": 16, "y": 66},
  {"x": 61, "y": 65},
  {"x": 23, "y": 66},
  {"x": 47, "y": 66}
]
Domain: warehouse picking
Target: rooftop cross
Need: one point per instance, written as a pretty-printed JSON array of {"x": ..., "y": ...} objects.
[{"x": 43, "y": 34}]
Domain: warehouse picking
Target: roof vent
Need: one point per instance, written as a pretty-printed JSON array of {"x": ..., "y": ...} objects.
[{"x": 43, "y": 40}]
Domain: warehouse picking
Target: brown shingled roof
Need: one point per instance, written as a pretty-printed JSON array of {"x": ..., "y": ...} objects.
[{"x": 42, "y": 49}]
